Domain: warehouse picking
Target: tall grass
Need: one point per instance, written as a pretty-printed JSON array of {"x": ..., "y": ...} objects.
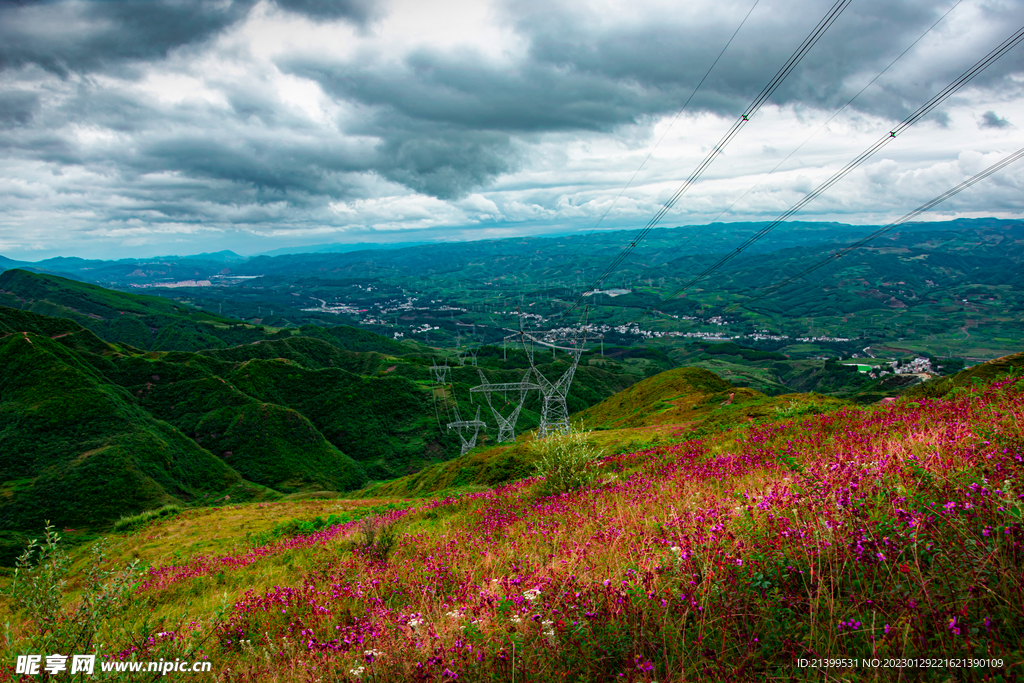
[
  {"x": 135, "y": 521},
  {"x": 378, "y": 537},
  {"x": 892, "y": 533}
]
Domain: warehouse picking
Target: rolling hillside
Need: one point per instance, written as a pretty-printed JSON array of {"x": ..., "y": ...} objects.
[
  {"x": 114, "y": 429},
  {"x": 787, "y": 530},
  {"x": 659, "y": 409},
  {"x": 76, "y": 450},
  {"x": 152, "y": 323}
]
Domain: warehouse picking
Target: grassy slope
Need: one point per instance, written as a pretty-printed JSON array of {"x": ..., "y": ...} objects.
[
  {"x": 145, "y": 322},
  {"x": 268, "y": 444},
  {"x": 655, "y": 410},
  {"x": 381, "y": 422},
  {"x": 90, "y": 431},
  {"x": 864, "y": 532},
  {"x": 288, "y": 414}
]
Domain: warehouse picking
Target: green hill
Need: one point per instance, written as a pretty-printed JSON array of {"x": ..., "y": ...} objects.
[
  {"x": 278, "y": 447},
  {"x": 154, "y": 323},
  {"x": 91, "y": 431},
  {"x": 146, "y": 322},
  {"x": 668, "y": 397},
  {"x": 113, "y": 429},
  {"x": 672, "y": 404},
  {"x": 77, "y": 451}
]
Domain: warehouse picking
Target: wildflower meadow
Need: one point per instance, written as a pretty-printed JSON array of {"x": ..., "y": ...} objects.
[{"x": 889, "y": 534}]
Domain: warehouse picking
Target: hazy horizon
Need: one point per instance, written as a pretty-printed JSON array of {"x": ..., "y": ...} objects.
[{"x": 126, "y": 254}]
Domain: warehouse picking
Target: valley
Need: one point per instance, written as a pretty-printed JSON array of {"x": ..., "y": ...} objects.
[{"x": 210, "y": 462}]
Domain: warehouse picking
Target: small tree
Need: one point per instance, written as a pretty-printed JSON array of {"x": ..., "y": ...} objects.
[
  {"x": 566, "y": 461},
  {"x": 38, "y": 585},
  {"x": 39, "y": 588}
]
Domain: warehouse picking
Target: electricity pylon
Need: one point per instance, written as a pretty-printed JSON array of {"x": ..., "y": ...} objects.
[
  {"x": 475, "y": 424},
  {"x": 440, "y": 375},
  {"x": 468, "y": 355},
  {"x": 440, "y": 372},
  {"x": 554, "y": 417},
  {"x": 506, "y": 425}
]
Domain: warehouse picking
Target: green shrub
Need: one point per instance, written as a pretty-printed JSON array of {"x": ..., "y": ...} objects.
[
  {"x": 377, "y": 538},
  {"x": 303, "y": 527},
  {"x": 39, "y": 589},
  {"x": 799, "y": 409},
  {"x": 38, "y": 584},
  {"x": 566, "y": 461},
  {"x": 135, "y": 521}
]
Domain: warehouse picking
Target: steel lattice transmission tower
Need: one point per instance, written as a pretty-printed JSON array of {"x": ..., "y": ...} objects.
[
  {"x": 440, "y": 375},
  {"x": 440, "y": 372},
  {"x": 506, "y": 425},
  {"x": 554, "y": 417},
  {"x": 475, "y": 425}
]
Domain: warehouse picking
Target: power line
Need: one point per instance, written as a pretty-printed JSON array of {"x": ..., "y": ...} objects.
[
  {"x": 994, "y": 168},
  {"x": 839, "y": 111},
  {"x": 716, "y": 150},
  {"x": 921, "y": 112},
  {"x": 671, "y": 123}
]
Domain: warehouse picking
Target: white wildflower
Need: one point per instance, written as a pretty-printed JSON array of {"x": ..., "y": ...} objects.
[
  {"x": 532, "y": 594},
  {"x": 357, "y": 672}
]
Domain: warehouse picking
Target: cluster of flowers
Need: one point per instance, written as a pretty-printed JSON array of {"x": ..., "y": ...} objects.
[
  {"x": 205, "y": 565},
  {"x": 892, "y": 530}
]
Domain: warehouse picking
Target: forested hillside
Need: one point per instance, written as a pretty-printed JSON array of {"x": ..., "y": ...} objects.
[{"x": 91, "y": 430}]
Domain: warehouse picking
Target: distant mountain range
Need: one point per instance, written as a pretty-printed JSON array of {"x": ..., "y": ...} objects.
[
  {"x": 561, "y": 254},
  {"x": 339, "y": 248}
]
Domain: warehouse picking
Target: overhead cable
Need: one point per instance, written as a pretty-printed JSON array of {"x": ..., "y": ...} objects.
[
  {"x": 921, "y": 112},
  {"x": 667, "y": 129},
  {"x": 717, "y": 149},
  {"x": 994, "y": 168},
  {"x": 839, "y": 111}
]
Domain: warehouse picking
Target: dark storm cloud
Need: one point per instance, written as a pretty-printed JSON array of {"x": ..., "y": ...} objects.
[
  {"x": 445, "y": 162},
  {"x": 445, "y": 118},
  {"x": 84, "y": 37},
  {"x": 279, "y": 171},
  {"x": 447, "y": 123},
  {"x": 462, "y": 90},
  {"x": 990, "y": 120},
  {"x": 97, "y": 35},
  {"x": 17, "y": 107},
  {"x": 672, "y": 56},
  {"x": 360, "y": 11}
]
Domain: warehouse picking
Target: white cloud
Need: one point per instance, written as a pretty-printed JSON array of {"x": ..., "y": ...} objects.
[{"x": 483, "y": 118}]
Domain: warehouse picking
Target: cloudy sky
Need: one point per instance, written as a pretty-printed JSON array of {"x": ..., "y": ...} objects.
[{"x": 145, "y": 127}]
